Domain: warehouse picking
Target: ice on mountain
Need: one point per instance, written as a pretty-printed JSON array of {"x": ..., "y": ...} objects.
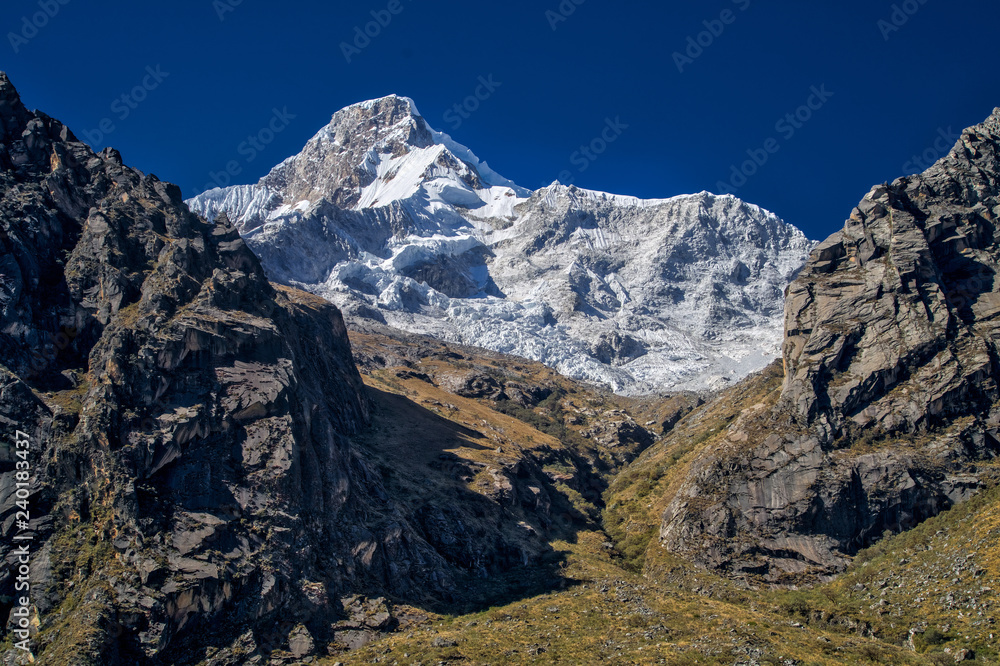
[{"x": 380, "y": 213}]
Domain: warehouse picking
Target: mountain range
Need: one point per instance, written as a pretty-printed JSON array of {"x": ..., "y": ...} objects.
[
  {"x": 397, "y": 223},
  {"x": 207, "y": 464}
]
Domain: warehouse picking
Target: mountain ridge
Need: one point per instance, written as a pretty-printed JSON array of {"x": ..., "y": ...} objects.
[{"x": 396, "y": 222}]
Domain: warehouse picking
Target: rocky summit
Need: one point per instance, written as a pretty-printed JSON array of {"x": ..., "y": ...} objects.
[{"x": 397, "y": 223}]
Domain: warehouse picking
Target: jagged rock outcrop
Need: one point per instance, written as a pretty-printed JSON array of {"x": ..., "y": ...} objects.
[
  {"x": 398, "y": 224},
  {"x": 188, "y": 421},
  {"x": 890, "y": 393},
  {"x": 892, "y": 325}
]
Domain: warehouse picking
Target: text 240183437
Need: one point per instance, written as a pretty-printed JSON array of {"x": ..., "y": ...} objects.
[{"x": 22, "y": 536}]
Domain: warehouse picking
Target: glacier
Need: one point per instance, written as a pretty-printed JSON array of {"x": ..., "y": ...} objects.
[{"x": 397, "y": 223}]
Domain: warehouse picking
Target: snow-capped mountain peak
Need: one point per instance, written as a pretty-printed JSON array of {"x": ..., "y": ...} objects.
[
  {"x": 371, "y": 155},
  {"x": 397, "y": 222}
]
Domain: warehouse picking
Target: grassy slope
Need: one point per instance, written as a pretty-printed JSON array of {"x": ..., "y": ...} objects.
[
  {"x": 606, "y": 614},
  {"x": 941, "y": 578},
  {"x": 617, "y": 597},
  {"x": 639, "y": 495}
]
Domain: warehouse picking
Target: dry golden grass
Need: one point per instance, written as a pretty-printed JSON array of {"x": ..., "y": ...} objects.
[
  {"x": 640, "y": 494},
  {"x": 607, "y": 615},
  {"x": 619, "y": 598},
  {"x": 941, "y": 578}
]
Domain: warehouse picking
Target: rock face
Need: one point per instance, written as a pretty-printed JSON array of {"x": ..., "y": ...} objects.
[
  {"x": 397, "y": 223},
  {"x": 198, "y": 484},
  {"x": 893, "y": 323},
  {"x": 891, "y": 383},
  {"x": 187, "y": 421}
]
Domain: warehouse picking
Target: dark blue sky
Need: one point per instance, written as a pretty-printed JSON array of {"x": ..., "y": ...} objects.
[{"x": 894, "y": 92}]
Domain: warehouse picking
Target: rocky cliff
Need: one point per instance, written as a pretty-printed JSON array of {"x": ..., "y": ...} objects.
[
  {"x": 189, "y": 441},
  {"x": 889, "y": 401},
  {"x": 399, "y": 224}
]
